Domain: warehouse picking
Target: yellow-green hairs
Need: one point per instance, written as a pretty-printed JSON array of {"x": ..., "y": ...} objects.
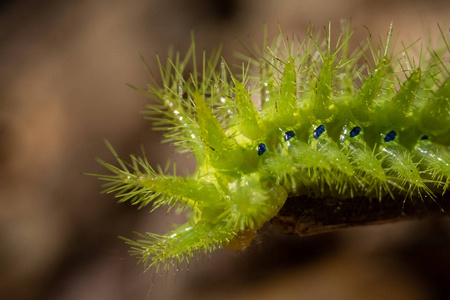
[{"x": 304, "y": 118}]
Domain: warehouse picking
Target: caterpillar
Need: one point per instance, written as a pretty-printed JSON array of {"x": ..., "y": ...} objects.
[{"x": 302, "y": 118}]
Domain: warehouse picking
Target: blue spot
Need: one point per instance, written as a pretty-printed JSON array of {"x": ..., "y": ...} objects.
[
  {"x": 288, "y": 135},
  {"x": 355, "y": 131},
  {"x": 261, "y": 149},
  {"x": 390, "y": 136},
  {"x": 425, "y": 137},
  {"x": 318, "y": 131}
]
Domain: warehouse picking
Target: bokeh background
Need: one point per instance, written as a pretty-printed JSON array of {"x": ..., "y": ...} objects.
[{"x": 64, "y": 66}]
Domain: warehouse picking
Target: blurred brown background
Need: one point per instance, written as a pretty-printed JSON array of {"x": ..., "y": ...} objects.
[{"x": 64, "y": 66}]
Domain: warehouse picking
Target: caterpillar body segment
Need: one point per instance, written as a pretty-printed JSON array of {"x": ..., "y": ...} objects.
[
  {"x": 322, "y": 103},
  {"x": 286, "y": 104}
]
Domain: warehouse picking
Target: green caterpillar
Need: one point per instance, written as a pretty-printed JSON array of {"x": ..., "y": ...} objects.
[{"x": 329, "y": 124}]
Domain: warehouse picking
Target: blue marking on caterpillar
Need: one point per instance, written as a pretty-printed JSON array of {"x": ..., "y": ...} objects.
[
  {"x": 261, "y": 149},
  {"x": 355, "y": 131},
  {"x": 288, "y": 135},
  {"x": 318, "y": 131},
  {"x": 390, "y": 136}
]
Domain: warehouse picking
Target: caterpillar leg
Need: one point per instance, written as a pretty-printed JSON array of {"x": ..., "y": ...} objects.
[
  {"x": 181, "y": 244},
  {"x": 401, "y": 165},
  {"x": 435, "y": 160}
]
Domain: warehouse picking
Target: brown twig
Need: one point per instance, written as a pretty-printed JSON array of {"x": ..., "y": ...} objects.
[{"x": 309, "y": 216}]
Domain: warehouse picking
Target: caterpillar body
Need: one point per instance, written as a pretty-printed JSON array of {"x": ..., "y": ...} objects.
[{"x": 326, "y": 126}]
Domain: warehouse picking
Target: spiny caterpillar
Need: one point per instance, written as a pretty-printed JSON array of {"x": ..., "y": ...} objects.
[{"x": 330, "y": 124}]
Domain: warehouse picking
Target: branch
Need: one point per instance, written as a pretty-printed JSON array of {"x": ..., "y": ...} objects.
[{"x": 309, "y": 216}]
